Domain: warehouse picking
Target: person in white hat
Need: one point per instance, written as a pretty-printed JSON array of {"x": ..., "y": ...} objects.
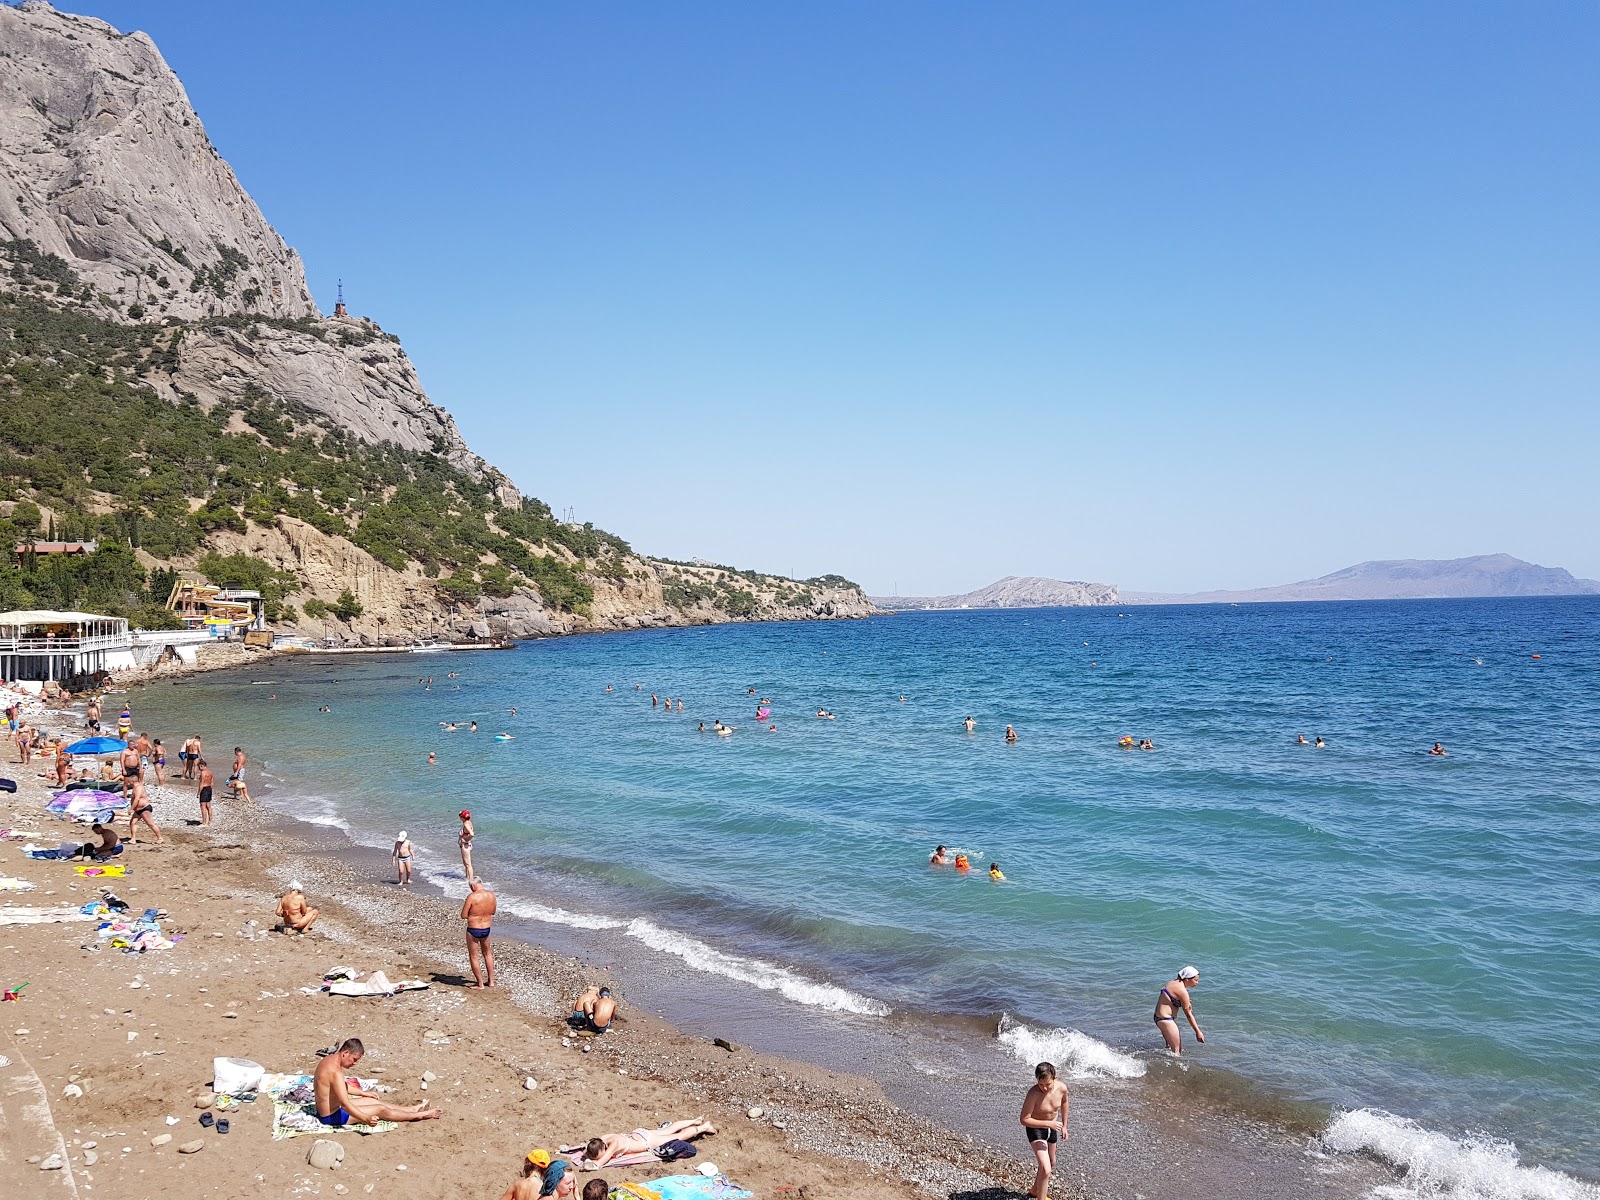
[
  {"x": 1173, "y": 997},
  {"x": 402, "y": 855},
  {"x": 294, "y": 914}
]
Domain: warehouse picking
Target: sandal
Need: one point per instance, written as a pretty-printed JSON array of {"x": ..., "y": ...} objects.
[
  {"x": 207, "y": 1120},
  {"x": 222, "y": 1125}
]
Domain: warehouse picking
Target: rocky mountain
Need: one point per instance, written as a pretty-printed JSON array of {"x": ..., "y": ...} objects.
[
  {"x": 1014, "y": 591},
  {"x": 172, "y": 391},
  {"x": 1403, "y": 579}
]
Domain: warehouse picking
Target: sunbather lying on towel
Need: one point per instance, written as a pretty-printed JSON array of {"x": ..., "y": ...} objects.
[
  {"x": 340, "y": 1103},
  {"x": 601, "y": 1150}
]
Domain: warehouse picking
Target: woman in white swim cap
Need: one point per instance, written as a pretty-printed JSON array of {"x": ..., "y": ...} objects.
[{"x": 1173, "y": 997}]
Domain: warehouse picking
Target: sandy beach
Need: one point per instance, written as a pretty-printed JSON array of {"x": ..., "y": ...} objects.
[{"x": 136, "y": 1034}]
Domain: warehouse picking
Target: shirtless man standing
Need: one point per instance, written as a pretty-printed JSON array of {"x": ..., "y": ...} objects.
[
  {"x": 237, "y": 778},
  {"x": 191, "y": 755},
  {"x": 340, "y": 1103},
  {"x": 478, "y": 912},
  {"x": 601, "y": 1150},
  {"x": 207, "y": 779},
  {"x": 1044, "y": 1120},
  {"x": 293, "y": 911}
]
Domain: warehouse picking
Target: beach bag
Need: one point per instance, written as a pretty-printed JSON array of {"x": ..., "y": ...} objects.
[
  {"x": 236, "y": 1076},
  {"x": 674, "y": 1150}
]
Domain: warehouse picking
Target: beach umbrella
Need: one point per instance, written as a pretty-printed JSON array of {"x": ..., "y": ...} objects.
[
  {"x": 93, "y": 799},
  {"x": 97, "y": 745}
]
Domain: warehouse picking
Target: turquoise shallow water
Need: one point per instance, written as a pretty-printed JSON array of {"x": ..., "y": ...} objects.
[{"x": 1377, "y": 929}]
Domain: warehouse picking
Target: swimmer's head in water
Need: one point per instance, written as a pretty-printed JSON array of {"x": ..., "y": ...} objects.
[
  {"x": 594, "y": 1149},
  {"x": 1044, "y": 1071},
  {"x": 1189, "y": 974}
]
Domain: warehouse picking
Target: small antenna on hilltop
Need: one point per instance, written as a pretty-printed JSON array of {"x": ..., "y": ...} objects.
[{"x": 339, "y": 309}]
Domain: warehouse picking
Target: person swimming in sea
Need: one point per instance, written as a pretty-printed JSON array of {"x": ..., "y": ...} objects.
[
  {"x": 1303, "y": 741},
  {"x": 1011, "y": 736},
  {"x": 969, "y": 724},
  {"x": 962, "y": 862},
  {"x": 939, "y": 858},
  {"x": 1320, "y": 744},
  {"x": 1438, "y": 750},
  {"x": 996, "y": 874},
  {"x": 1146, "y": 744},
  {"x": 1173, "y": 997},
  {"x": 702, "y": 728}
]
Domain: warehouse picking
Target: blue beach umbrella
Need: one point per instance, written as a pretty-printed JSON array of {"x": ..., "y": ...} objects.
[{"x": 97, "y": 745}]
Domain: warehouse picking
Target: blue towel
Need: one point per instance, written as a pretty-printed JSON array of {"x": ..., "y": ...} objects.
[{"x": 698, "y": 1187}]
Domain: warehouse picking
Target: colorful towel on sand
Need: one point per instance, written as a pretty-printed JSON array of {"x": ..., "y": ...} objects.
[
  {"x": 294, "y": 1108},
  {"x": 115, "y": 872},
  {"x": 698, "y": 1187}
]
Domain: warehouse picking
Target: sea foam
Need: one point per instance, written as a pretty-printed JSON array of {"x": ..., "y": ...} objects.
[
  {"x": 1476, "y": 1167},
  {"x": 769, "y": 977},
  {"x": 1075, "y": 1054}
]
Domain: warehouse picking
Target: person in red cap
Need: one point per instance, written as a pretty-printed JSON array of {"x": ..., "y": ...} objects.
[{"x": 465, "y": 841}]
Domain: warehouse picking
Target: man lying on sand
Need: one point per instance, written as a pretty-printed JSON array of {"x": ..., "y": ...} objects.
[
  {"x": 340, "y": 1103},
  {"x": 601, "y": 1150}
]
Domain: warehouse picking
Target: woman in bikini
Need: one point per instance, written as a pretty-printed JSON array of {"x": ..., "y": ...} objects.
[
  {"x": 1044, "y": 1120},
  {"x": 1173, "y": 997},
  {"x": 601, "y": 1150},
  {"x": 464, "y": 840}
]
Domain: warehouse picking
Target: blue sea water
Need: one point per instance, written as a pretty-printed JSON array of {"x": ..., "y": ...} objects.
[{"x": 1397, "y": 936}]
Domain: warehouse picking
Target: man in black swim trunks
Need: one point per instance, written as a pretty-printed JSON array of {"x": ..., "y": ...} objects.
[
  {"x": 478, "y": 913},
  {"x": 206, "y": 781}
]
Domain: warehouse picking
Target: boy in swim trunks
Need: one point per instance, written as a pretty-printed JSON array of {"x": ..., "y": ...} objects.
[
  {"x": 341, "y": 1103},
  {"x": 1044, "y": 1120}
]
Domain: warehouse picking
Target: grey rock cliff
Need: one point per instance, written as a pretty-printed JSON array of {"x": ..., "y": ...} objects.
[
  {"x": 1015, "y": 591},
  {"x": 104, "y": 162}
]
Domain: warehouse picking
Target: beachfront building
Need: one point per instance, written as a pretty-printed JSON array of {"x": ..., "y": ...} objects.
[
  {"x": 38, "y": 645},
  {"x": 218, "y": 610}
]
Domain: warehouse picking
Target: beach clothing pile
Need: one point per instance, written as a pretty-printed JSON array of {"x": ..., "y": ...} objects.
[{"x": 131, "y": 935}]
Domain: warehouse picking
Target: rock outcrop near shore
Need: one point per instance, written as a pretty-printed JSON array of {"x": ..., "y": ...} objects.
[{"x": 133, "y": 263}]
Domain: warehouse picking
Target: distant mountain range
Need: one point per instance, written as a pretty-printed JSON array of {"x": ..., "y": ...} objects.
[
  {"x": 1014, "y": 591},
  {"x": 1403, "y": 579},
  {"x": 1387, "y": 579}
]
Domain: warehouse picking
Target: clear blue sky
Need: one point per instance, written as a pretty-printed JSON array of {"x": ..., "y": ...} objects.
[{"x": 1175, "y": 296}]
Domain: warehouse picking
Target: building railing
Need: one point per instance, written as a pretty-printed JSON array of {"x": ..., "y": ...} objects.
[{"x": 64, "y": 645}]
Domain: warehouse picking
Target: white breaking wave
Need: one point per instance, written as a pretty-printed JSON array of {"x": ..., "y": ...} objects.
[
  {"x": 767, "y": 976},
  {"x": 1075, "y": 1054},
  {"x": 1476, "y": 1167},
  {"x": 561, "y": 916}
]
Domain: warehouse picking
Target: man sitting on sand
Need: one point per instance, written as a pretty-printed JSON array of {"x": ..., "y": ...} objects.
[
  {"x": 294, "y": 914},
  {"x": 593, "y": 1010},
  {"x": 601, "y": 1150},
  {"x": 110, "y": 844},
  {"x": 340, "y": 1103}
]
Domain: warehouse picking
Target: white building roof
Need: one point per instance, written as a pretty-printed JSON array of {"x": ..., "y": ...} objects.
[{"x": 45, "y": 616}]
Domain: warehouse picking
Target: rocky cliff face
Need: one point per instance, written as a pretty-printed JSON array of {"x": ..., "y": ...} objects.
[
  {"x": 117, "y": 213},
  {"x": 1015, "y": 591},
  {"x": 104, "y": 162}
]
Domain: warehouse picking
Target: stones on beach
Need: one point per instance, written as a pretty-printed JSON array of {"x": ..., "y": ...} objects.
[
  {"x": 161, "y": 1139},
  {"x": 72, "y": 1091},
  {"x": 204, "y": 1100},
  {"x": 193, "y": 1147},
  {"x": 756, "y": 1113},
  {"x": 428, "y": 1077},
  {"x": 325, "y": 1154},
  {"x": 90, "y": 1158},
  {"x": 724, "y": 1044},
  {"x": 54, "y": 1163},
  {"x": 530, "y": 1084}
]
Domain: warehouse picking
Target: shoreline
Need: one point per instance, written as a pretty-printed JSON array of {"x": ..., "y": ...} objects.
[
  {"x": 1171, "y": 1126},
  {"x": 1133, "y": 1137}
]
